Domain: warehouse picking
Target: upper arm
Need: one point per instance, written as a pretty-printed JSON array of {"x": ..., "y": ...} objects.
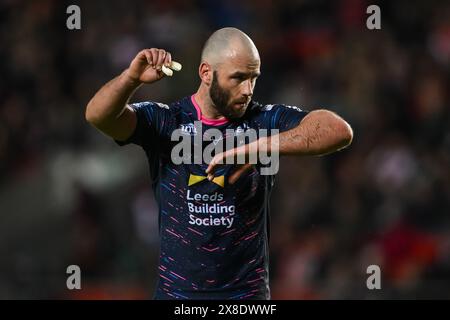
[
  {"x": 144, "y": 124},
  {"x": 122, "y": 127}
]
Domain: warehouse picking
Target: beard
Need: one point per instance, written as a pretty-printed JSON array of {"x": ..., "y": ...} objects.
[{"x": 221, "y": 100}]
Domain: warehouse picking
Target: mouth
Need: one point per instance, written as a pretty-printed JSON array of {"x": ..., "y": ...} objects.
[{"x": 242, "y": 104}]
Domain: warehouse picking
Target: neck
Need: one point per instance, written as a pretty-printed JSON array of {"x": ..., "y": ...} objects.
[{"x": 206, "y": 105}]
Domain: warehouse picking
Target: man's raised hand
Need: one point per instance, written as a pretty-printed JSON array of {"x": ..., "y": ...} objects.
[{"x": 151, "y": 65}]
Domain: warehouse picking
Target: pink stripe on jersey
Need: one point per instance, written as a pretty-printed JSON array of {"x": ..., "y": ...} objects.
[{"x": 210, "y": 122}]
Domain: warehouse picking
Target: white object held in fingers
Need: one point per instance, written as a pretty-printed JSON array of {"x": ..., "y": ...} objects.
[
  {"x": 173, "y": 66},
  {"x": 167, "y": 71}
]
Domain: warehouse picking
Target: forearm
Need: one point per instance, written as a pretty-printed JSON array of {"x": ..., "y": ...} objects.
[
  {"x": 109, "y": 102},
  {"x": 320, "y": 132}
]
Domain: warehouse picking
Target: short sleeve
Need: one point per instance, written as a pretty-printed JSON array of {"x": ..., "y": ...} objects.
[
  {"x": 282, "y": 117},
  {"x": 152, "y": 118}
]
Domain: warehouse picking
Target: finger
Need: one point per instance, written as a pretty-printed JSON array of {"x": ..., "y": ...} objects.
[
  {"x": 168, "y": 60},
  {"x": 161, "y": 58},
  {"x": 155, "y": 53},
  {"x": 239, "y": 172},
  {"x": 166, "y": 66},
  {"x": 210, "y": 169},
  {"x": 149, "y": 57}
]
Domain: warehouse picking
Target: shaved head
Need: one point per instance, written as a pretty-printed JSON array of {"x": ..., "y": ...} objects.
[
  {"x": 229, "y": 68},
  {"x": 228, "y": 43}
]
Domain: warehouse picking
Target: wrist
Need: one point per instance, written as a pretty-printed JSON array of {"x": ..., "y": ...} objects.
[{"x": 129, "y": 79}]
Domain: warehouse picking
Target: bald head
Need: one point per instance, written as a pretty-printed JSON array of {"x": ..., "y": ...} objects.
[
  {"x": 228, "y": 43},
  {"x": 229, "y": 68}
]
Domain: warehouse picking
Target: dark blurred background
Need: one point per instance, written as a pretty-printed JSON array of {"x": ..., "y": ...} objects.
[{"x": 69, "y": 195}]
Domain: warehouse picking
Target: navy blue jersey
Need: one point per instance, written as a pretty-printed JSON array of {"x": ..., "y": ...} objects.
[{"x": 213, "y": 236}]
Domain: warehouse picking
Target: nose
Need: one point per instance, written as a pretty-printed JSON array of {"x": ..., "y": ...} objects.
[{"x": 247, "y": 89}]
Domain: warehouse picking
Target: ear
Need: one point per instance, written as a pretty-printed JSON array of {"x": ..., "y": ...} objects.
[{"x": 205, "y": 72}]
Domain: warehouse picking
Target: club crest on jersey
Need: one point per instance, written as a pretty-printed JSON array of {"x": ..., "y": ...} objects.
[{"x": 188, "y": 129}]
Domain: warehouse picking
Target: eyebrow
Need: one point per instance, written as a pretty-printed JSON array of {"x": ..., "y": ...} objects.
[{"x": 244, "y": 74}]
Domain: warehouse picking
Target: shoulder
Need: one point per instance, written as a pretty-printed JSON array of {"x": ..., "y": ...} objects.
[
  {"x": 257, "y": 108},
  {"x": 156, "y": 107}
]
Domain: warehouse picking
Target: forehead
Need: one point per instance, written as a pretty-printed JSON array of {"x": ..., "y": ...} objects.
[{"x": 240, "y": 62}]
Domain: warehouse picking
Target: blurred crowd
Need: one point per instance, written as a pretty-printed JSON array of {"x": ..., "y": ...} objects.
[{"x": 70, "y": 195}]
